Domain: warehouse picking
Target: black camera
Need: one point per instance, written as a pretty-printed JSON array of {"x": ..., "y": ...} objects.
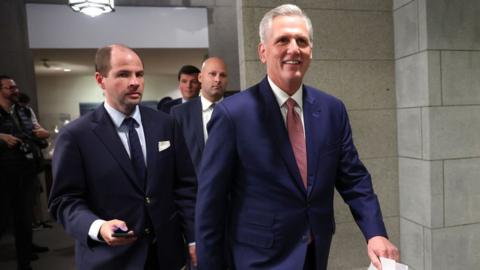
[{"x": 25, "y": 148}]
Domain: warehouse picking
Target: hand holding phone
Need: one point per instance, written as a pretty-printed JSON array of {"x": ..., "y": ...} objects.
[
  {"x": 121, "y": 233},
  {"x": 115, "y": 233}
]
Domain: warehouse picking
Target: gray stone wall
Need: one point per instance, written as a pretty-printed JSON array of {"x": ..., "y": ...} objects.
[
  {"x": 437, "y": 60},
  {"x": 16, "y": 58},
  {"x": 353, "y": 59}
]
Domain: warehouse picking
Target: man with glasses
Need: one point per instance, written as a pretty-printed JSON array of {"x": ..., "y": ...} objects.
[{"x": 18, "y": 166}]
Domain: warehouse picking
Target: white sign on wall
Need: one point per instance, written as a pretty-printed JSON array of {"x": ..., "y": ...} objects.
[{"x": 58, "y": 26}]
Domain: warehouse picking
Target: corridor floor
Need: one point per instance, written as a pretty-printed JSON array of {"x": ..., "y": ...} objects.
[{"x": 60, "y": 256}]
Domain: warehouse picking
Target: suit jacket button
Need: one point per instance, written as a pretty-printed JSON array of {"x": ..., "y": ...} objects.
[
  {"x": 147, "y": 231},
  {"x": 147, "y": 200}
]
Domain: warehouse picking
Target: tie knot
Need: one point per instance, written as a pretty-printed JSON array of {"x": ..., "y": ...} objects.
[
  {"x": 129, "y": 122},
  {"x": 291, "y": 103},
  {"x": 212, "y": 106}
]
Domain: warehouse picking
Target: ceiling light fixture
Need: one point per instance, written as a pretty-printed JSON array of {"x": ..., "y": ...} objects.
[{"x": 92, "y": 8}]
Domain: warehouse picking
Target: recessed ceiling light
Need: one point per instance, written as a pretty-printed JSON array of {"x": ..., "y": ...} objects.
[
  {"x": 92, "y": 7},
  {"x": 67, "y": 70}
]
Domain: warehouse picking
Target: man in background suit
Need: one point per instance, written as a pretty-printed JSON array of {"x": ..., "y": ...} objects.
[
  {"x": 124, "y": 169},
  {"x": 188, "y": 85},
  {"x": 275, "y": 153},
  {"x": 193, "y": 116}
]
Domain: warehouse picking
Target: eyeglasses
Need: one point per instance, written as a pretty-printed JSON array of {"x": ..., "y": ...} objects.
[{"x": 11, "y": 88}]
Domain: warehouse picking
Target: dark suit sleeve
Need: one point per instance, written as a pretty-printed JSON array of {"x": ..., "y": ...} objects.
[
  {"x": 167, "y": 107},
  {"x": 215, "y": 176},
  {"x": 3, "y": 145},
  {"x": 355, "y": 186},
  {"x": 185, "y": 188},
  {"x": 67, "y": 198},
  {"x": 174, "y": 113}
]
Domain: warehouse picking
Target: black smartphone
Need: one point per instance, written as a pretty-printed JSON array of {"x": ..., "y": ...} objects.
[{"x": 121, "y": 233}]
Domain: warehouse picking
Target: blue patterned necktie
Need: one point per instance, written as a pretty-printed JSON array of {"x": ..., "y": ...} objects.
[{"x": 136, "y": 153}]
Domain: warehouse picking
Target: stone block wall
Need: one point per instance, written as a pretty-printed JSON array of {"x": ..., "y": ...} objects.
[{"x": 437, "y": 63}]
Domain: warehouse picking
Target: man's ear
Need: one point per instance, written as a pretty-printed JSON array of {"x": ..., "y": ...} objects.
[
  {"x": 199, "y": 77},
  {"x": 100, "y": 79},
  {"x": 261, "y": 52}
]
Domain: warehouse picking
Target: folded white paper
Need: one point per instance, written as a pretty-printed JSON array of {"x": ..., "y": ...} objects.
[{"x": 389, "y": 264}]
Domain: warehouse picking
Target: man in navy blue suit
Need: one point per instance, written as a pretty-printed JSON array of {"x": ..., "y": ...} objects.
[
  {"x": 275, "y": 153},
  {"x": 124, "y": 184},
  {"x": 193, "y": 116},
  {"x": 188, "y": 85}
]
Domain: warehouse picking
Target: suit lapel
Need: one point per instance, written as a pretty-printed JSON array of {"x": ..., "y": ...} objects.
[
  {"x": 197, "y": 115},
  {"x": 149, "y": 129},
  {"x": 313, "y": 130},
  {"x": 104, "y": 129},
  {"x": 275, "y": 126}
]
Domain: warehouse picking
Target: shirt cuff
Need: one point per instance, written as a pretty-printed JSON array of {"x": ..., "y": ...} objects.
[
  {"x": 95, "y": 229},
  {"x": 191, "y": 244}
]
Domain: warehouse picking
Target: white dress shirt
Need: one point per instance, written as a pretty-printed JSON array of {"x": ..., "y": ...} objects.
[
  {"x": 282, "y": 97},
  {"x": 207, "y": 111},
  {"x": 122, "y": 130}
]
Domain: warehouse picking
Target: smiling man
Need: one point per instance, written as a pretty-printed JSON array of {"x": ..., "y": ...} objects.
[
  {"x": 124, "y": 184},
  {"x": 275, "y": 154}
]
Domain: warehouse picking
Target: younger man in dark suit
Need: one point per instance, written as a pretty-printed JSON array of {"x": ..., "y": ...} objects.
[
  {"x": 188, "y": 85},
  {"x": 124, "y": 184}
]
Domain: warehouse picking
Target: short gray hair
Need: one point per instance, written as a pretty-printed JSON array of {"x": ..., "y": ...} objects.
[{"x": 283, "y": 10}]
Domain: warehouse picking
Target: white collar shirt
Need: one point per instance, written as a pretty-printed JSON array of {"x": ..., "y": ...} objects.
[
  {"x": 207, "y": 111},
  {"x": 122, "y": 131},
  {"x": 282, "y": 97}
]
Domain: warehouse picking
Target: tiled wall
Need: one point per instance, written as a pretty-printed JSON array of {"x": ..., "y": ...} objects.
[{"x": 437, "y": 52}]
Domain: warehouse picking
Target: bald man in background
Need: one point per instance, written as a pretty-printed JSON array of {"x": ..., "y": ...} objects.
[{"x": 193, "y": 116}]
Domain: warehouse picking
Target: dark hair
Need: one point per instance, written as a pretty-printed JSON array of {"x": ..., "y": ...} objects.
[
  {"x": 102, "y": 60},
  {"x": 163, "y": 101},
  {"x": 4, "y": 77},
  {"x": 189, "y": 70}
]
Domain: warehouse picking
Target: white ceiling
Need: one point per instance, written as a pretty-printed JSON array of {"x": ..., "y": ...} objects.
[{"x": 81, "y": 61}]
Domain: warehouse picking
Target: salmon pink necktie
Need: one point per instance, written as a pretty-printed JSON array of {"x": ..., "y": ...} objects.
[{"x": 297, "y": 138}]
